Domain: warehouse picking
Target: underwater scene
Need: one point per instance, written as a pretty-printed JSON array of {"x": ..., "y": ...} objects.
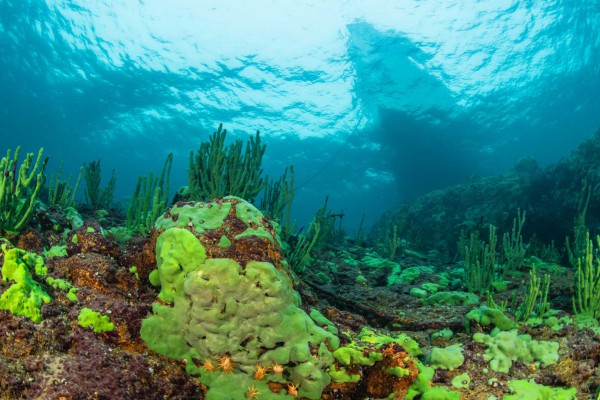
[{"x": 299, "y": 200}]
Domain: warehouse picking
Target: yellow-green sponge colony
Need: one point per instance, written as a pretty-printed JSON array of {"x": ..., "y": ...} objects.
[
  {"x": 25, "y": 296},
  {"x": 229, "y": 316}
]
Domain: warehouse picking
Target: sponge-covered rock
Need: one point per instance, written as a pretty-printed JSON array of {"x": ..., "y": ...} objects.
[{"x": 232, "y": 309}]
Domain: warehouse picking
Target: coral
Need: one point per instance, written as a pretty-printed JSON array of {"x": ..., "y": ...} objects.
[{"x": 461, "y": 381}]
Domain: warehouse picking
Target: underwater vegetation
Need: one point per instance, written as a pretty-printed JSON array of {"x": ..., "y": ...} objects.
[{"x": 215, "y": 293}]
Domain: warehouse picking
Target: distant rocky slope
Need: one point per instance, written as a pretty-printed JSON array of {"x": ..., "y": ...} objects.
[{"x": 549, "y": 197}]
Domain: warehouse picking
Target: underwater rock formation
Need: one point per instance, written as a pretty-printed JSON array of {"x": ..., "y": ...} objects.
[{"x": 548, "y": 196}]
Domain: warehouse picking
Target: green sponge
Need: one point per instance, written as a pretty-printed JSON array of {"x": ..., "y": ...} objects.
[
  {"x": 407, "y": 275},
  {"x": 490, "y": 316},
  {"x": 422, "y": 386},
  {"x": 178, "y": 252},
  {"x": 201, "y": 216},
  {"x": 25, "y": 296},
  {"x": 409, "y": 344},
  {"x": 508, "y": 346},
  {"x": 524, "y": 389},
  {"x": 452, "y": 298},
  {"x": 249, "y": 312},
  {"x": 448, "y": 358},
  {"x": 90, "y": 318}
]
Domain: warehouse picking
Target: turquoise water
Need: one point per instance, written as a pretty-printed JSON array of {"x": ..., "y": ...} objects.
[{"x": 373, "y": 105}]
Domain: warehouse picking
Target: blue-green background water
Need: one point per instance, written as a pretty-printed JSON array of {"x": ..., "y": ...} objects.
[{"x": 373, "y": 102}]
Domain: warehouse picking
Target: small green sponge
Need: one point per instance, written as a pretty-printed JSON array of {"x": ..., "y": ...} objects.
[
  {"x": 461, "y": 381},
  {"x": 448, "y": 358},
  {"x": 490, "y": 316},
  {"x": 422, "y": 387},
  {"x": 90, "y": 318},
  {"x": 524, "y": 389}
]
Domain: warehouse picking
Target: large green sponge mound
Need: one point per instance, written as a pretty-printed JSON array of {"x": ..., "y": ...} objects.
[{"x": 246, "y": 312}]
